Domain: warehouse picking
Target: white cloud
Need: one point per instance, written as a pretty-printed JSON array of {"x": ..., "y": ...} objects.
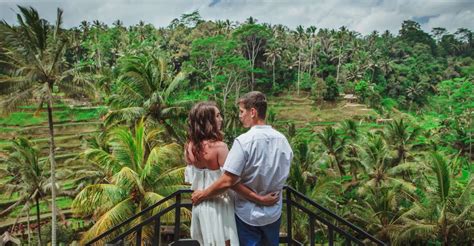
[
  {"x": 452, "y": 21},
  {"x": 380, "y": 20},
  {"x": 363, "y": 16}
]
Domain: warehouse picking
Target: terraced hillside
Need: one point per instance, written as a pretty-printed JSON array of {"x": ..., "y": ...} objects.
[
  {"x": 304, "y": 112},
  {"x": 73, "y": 122}
]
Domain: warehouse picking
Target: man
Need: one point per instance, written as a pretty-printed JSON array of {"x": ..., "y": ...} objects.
[{"x": 259, "y": 159}]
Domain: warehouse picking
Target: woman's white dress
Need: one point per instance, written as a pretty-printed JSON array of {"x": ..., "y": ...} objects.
[{"x": 213, "y": 220}]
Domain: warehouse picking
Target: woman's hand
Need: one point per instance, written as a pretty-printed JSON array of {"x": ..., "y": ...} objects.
[
  {"x": 269, "y": 199},
  {"x": 197, "y": 197}
]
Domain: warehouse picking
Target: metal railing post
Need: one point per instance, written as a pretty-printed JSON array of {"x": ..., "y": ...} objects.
[
  {"x": 289, "y": 221},
  {"x": 157, "y": 232},
  {"x": 138, "y": 239},
  {"x": 311, "y": 230},
  {"x": 177, "y": 217}
]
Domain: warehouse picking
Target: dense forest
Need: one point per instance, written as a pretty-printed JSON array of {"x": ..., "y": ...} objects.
[{"x": 404, "y": 172}]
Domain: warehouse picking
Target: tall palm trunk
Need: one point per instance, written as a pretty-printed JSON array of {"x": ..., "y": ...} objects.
[
  {"x": 38, "y": 221},
  {"x": 338, "y": 163},
  {"x": 444, "y": 225},
  {"x": 401, "y": 154},
  {"x": 273, "y": 72},
  {"x": 353, "y": 153},
  {"x": 28, "y": 224},
  {"x": 252, "y": 85},
  {"x": 53, "y": 166},
  {"x": 342, "y": 172},
  {"x": 99, "y": 62},
  {"x": 338, "y": 65},
  {"x": 299, "y": 71},
  {"x": 311, "y": 61}
]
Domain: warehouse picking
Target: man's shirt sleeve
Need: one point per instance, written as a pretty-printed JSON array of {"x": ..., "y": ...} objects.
[{"x": 235, "y": 161}]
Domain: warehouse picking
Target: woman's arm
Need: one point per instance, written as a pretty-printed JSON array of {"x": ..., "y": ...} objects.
[
  {"x": 188, "y": 164},
  {"x": 186, "y": 157}
]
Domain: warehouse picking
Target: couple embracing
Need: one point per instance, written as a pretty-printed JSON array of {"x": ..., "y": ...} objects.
[{"x": 237, "y": 196}]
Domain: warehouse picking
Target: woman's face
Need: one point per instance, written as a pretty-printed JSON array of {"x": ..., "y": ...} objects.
[{"x": 219, "y": 118}]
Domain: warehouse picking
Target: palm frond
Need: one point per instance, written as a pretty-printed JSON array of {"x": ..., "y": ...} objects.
[
  {"x": 177, "y": 81},
  {"x": 59, "y": 21},
  {"x": 97, "y": 199},
  {"x": 129, "y": 114},
  {"x": 117, "y": 214},
  {"x": 407, "y": 167},
  {"x": 171, "y": 177},
  {"x": 127, "y": 179},
  {"x": 125, "y": 148},
  {"x": 402, "y": 184},
  {"x": 11, "y": 103},
  {"x": 413, "y": 231},
  {"x": 466, "y": 195},
  {"x": 103, "y": 159},
  {"x": 151, "y": 198},
  {"x": 440, "y": 169},
  {"x": 162, "y": 162}
]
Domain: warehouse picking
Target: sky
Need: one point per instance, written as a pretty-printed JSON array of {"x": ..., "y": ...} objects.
[{"x": 363, "y": 16}]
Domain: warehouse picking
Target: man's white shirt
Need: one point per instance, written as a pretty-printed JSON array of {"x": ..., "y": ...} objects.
[{"x": 261, "y": 158}]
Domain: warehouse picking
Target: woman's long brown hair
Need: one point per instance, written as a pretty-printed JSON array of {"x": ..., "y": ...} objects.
[{"x": 202, "y": 126}]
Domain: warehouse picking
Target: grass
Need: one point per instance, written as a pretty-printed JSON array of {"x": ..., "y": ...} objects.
[
  {"x": 4, "y": 142},
  {"x": 61, "y": 203},
  {"x": 20, "y": 119},
  {"x": 56, "y": 105},
  {"x": 24, "y": 119},
  {"x": 304, "y": 112},
  {"x": 69, "y": 185},
  {"x": 8, "y": 199},
  {"x": 6, "y": 129}
]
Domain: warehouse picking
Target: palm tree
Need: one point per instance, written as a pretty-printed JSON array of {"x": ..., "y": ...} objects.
[
  {"x": 30, "y": 178},
  {"x": 35, "y": 59},
  {"x": 97, "y": 28},
  {"x": 379, "y": 211},
  {"x": 447, "y": 213},
  {"x": 300, "y": 38},
  {"x": 273, "y": 54},
  {"x": 142, "y": 171},
  {"x": 341, "y": 36},
  {"x": 379, "y": 171},
  {"x": 351, "y": 133},
  {"x": 415, "y": 92},
  {"x": 144, "y": 89},
  {"x": 335, "y": 145},
  {"x": 325, "y": 190},
  {"x": 400, "y": 136},
  {"x": 311, "y": 32}
]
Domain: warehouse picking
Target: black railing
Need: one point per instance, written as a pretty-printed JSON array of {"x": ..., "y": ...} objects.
[{"x": 331, "y": 227}]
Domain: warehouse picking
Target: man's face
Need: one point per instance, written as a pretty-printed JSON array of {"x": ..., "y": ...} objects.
[{"x": 245, "y": 116}]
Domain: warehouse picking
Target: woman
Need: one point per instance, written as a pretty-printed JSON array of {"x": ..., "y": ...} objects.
[{"x": 213, "y": 221}]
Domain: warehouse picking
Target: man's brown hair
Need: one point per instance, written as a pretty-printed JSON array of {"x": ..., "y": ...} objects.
[{"x": 257, "y": 100}]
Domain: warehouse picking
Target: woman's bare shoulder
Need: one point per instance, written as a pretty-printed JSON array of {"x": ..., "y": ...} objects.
[{"x": 219, "y": 144}]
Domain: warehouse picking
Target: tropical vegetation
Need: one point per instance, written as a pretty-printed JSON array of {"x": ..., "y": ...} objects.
[{"x": 380, "y": 123}]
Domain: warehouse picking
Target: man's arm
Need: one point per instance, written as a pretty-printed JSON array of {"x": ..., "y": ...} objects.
[
  {"x": 226, "y": 181},
  {"x": 251, "y": 195}
]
